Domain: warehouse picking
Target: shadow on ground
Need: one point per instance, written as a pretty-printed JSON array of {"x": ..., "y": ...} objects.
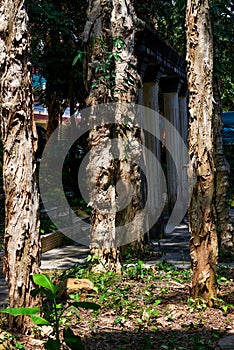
[{"x": 190, "y": 339}]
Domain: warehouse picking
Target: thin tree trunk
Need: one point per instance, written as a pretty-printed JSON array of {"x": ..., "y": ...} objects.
[
  {"x": 53, "y": 113},
  {"x": 203, "y": 243},
  {"x": 107, "y": 21},
  {"x": 19, "y": 143}
]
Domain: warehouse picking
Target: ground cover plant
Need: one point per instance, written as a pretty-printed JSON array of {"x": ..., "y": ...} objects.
[{"x": 147, "y": 308}]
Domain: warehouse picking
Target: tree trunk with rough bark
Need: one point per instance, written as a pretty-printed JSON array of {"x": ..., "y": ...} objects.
[
  {"x": 112, "y": 77},
  {"x": 203, "y": 242},
  {"x": 18, "y": 134},
  {"x": 223, "y": 220}
]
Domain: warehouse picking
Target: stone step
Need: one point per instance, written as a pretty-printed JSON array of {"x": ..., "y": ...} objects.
[{"x": 227, "y": 342}]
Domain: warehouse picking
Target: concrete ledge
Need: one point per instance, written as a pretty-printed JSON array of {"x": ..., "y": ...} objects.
[{"x": 51, "y": 240}]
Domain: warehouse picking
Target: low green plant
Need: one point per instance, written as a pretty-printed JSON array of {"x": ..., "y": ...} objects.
[
  {"x": 220, "y": 303},
  {"x": 18, "y": 345},
  {"x": 196, "y": 304},
  {"x": 53, "y": 312},
  {"x": 137, "y": 271}
]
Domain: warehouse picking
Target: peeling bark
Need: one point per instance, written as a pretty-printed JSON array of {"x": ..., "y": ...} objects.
[
  {"x": 108, "y": 20},
  {"x": 19, "y": 140},
  {"x": 223, "y": 219},
  {"x": 203, "y": 242}
]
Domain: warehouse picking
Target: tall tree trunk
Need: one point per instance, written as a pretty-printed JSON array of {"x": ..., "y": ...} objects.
[
  {"x": 124, "y": 25},
  {"x": 223, "y": 219},
  {"x": 19, "y": 143},
  {"x": 108, "y": 81},
  {"x": 203, "y": 242}
]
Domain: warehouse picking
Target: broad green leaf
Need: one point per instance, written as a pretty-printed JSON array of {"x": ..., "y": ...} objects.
[
  {"x": 44, "y": 281},
  {"x": 42, "y": 291},
  {"x": 36, "y": 291},
  {"x": 85, "y": 305},
  {"x": 53, "y": 344},
  {"x": 39, "y": 321},
  {"x": 16, "y": 311},
  {"x": 73, "y": 341}
]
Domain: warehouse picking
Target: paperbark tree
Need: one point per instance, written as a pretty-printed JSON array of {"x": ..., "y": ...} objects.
[
  {"x": 223, "y": 220},
  {"x": 112, "y": 77},
  {"x": 18, "y": 136},
  {"x": 221, "y": 28},
  {"x": 203, "y": 242}
]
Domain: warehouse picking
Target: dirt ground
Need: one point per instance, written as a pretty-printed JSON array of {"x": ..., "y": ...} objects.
[{"x": 147, "y": 309}]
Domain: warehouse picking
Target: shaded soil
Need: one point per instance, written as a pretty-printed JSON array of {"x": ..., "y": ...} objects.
[{"x": 148, "y": 309}]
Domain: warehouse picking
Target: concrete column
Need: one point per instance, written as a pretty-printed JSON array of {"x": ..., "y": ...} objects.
[
  {"x": 150, "y": 95},
  {"x": 183, "y": 108},
  {"x": 170, "y": 89},
  {"x": 140, "y": 96},
  {"x": 150, "y": 99},
  {"x": 183, "y": 111}
]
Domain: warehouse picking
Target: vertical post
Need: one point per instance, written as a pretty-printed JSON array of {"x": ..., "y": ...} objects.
[
  {"x": 170, "y": 88},
  {"x": 150, "y": 100},
  {"x": 183, "y": 112}
]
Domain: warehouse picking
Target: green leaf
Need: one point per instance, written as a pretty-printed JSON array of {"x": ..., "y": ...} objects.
[
  {"x": 42, "y": 291},
  {"x": 95, "y": 84},
  {"x": 95, "y": 288},
  {"x": 85, "y": 305},
  {"x": 53, "y": 344},
  {"x": 75, "y": 297},
  {"x": 225, "y": 308},
  {"x": 156, "y": 312},
  {"x": 119, "y": 43},
  {"x": 16, "y": 311},
  {"x": 73, "y": 341},
  {"x": 39, "y": 321},
  {"x": 78, "y": 57},
  {"x": 44, "y": 281},
  {"x": 157, "y": 302},
  {"x": 36, "y": 291},
  {"x": 18, "y": 345},
  {"x": 117, "y": 57}
]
